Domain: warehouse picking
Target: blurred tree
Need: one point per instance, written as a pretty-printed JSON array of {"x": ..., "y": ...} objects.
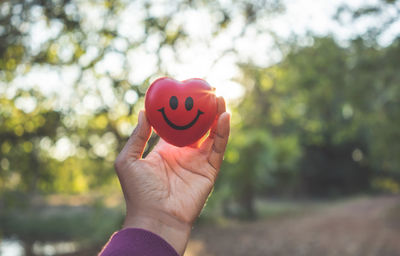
[
  {"x": 384, "y": 15},
  {"x": 263, "y": 151},
  {"x": 323, "y": 121},
  {"x": 318, "y": 123},
  {"x": 63, "y": 139},
  {"x": 329, "y": 127},
  {"x": 375, "y": 56}
]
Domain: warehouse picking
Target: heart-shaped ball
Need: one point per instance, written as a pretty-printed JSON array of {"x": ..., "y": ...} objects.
[{"x": 181, "y": 112}]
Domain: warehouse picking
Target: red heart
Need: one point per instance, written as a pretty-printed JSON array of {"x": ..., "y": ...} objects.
[{"x": 181, "y": 112}]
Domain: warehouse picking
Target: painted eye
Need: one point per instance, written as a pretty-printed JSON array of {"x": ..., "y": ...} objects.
[
  {"x": 173, "y": 102},
  {"x": 189, "y": 103}
]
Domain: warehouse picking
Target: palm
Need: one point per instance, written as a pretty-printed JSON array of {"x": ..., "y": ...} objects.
[{"x": 181, "y": 179}]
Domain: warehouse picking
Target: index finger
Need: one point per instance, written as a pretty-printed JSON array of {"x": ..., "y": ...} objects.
[
  {"x": 220, "y": 141},
  {"x": 221, "y": 108}
]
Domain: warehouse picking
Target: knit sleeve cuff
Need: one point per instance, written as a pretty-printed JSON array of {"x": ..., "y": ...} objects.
[{"x": 136, "y": 241}]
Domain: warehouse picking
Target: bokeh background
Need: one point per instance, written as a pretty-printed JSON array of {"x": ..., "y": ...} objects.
[{"x": 313, "y": 162}]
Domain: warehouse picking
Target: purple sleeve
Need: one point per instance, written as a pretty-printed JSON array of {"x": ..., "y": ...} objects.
[{"x": 135, "y": 241}]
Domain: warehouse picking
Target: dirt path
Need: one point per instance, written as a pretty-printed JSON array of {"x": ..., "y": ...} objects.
[{"x": 357, "y": 227}]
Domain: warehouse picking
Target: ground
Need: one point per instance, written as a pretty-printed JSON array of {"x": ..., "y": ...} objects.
[{"x": 362, "y": 226}]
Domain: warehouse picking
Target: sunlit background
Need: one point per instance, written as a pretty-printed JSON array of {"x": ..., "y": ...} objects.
[{"x": 313, "y": 163}]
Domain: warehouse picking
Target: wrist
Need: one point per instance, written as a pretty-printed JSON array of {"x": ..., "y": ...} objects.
[{"x": 175, "y": 232}]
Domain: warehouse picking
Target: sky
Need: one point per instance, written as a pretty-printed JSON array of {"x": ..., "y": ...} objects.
[{"x": 200, "y": 58}]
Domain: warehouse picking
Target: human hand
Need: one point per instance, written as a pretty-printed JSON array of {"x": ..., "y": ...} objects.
[{"x": 166, "y": 191}]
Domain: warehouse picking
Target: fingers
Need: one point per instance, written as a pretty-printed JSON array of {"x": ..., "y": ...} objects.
[
  {"x": 207, "y": 143},
  {"x": 136, "y": 143},
  {"x": 221, "y": 136},
  {"x": 221, "y": 108}
]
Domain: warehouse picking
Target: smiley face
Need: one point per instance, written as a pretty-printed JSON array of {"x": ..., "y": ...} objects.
[
  {"x": 173, "y": 103},
  {"x": 180, "y": 112}
]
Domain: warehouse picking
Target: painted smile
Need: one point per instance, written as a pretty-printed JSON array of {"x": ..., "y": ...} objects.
[{"x": 180, "y": 127}]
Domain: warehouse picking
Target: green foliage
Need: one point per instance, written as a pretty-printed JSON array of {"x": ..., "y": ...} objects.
[
  {"x": 52, "y": 144},
  {"x": 52, "y": 224},
  {"x": 377, "y": 100},
  {"x": 318, "y": 123},
  {"x": 322, "y": 122}
]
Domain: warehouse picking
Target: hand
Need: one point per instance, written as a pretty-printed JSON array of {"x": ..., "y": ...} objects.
[{"x": 166, "y": 191}]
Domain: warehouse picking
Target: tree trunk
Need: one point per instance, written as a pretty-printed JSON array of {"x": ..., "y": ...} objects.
[
  {"x": 28, "y": 248},
  {"x": 247, "y": 202}
]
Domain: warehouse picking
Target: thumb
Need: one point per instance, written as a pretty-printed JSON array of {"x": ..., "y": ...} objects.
[{"x": 136, "y": 143}]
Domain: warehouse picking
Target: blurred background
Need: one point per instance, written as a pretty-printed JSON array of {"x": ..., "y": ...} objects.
[{"x": 313, "y": 162}]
